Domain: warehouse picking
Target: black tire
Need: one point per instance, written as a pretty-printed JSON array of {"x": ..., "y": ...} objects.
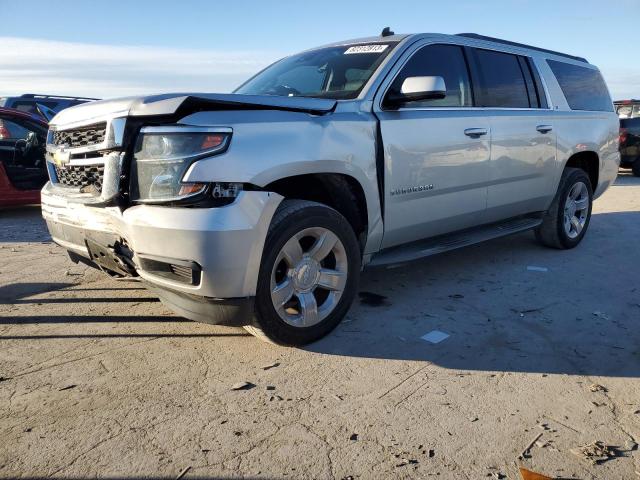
[
  {"x": 635, "y": 168},
  {"x": 292, "y": 217},
  {"x": 551, "y": 232}
]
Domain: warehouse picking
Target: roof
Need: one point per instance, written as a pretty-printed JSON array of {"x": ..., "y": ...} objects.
[
  {"x": 520, "y": 45},
  {"x": 24, "y": 115},
  {"x": 376, "y": 39},
  {"x": 473, "y": 37},
  {"x": 54, "y": 97}
]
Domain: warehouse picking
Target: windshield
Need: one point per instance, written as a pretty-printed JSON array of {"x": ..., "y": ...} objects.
[{"x": 332, "y": 72}]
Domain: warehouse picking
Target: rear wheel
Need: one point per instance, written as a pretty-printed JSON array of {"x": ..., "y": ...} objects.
[
  {"x": 566, "y": 222},
  {"x": 308, "y": 276},
  {"x": 635, "y": 168}
]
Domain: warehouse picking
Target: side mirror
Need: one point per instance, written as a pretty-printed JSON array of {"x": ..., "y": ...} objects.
[{"x": 419, "y": 88}]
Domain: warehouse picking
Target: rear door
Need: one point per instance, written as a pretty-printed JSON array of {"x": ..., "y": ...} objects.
[
  {"x": 436, "y": 152},
  {"x": 523, "y": 142}
]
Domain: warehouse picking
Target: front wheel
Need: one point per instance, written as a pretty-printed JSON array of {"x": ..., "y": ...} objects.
[
  {"x": 308, "y": 276},
  {"x": 566, "y": 222}
]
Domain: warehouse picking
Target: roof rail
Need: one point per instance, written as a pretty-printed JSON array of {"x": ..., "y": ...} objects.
[
  {"x": 521, "y": 45},
  {"x": 66, "y": 97}
]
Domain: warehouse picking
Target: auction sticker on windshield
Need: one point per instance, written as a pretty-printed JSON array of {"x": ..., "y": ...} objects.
[{"x": 366, "y": 49}]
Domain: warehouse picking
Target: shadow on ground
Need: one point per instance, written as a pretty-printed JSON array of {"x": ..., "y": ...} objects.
[{"x": 579, "y": 317}]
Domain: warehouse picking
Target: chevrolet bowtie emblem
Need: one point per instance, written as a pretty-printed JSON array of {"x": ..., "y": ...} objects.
[{"x": 61, "y": 158}]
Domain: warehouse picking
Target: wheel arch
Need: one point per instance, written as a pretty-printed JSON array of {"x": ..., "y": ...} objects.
[
  {"x": 589, "y": 161},
  {"x": 342, "y": 192}
]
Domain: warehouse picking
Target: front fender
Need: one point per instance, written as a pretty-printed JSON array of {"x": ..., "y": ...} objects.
[{"x": 270, "y": 145}]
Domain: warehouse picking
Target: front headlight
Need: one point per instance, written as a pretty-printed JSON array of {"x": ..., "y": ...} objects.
[{"x": 162, "y": 156}]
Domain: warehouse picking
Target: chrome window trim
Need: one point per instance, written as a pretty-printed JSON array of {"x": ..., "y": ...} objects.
[
  {"x": 473, "y": 109},
  {"x": 419, "y": 45}
]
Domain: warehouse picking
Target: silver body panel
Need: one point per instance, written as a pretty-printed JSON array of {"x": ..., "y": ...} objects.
[
  {"x": 226, "y": 242},
  {"x": 436, "y": 178}
]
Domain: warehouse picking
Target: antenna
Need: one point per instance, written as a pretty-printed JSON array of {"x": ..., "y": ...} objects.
[{"x": 386, "y": 32}]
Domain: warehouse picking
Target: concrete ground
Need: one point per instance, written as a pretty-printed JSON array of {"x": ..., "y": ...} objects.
[{"x": 99, "y": 379}]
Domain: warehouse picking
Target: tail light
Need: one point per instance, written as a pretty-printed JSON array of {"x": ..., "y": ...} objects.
[
  {"x": 4, "y": 131},
  {"x": 623, "y": 136}
]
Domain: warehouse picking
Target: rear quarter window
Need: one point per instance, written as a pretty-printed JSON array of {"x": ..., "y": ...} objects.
[{"x": 583, "y": 88}]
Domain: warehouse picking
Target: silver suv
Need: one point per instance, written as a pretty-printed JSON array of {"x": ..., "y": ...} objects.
[{"x": 260, "y": 208}]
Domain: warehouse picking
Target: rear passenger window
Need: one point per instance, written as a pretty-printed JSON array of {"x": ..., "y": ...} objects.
[
  {"x": 583, "y": 87},
  {"x": 446, "y": 61},
  {"x": 502, "y": 82}
]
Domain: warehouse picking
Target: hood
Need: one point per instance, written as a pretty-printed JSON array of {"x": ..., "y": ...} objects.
[{"x": 175, "y": 103}]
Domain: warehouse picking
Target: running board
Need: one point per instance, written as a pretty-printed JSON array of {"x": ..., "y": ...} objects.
[{"x": 444, "y": 243}]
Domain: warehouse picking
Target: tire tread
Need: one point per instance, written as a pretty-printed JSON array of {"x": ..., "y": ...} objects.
[
  {"x": 287, "y": 208},
  {"x": 549, "y": 232}
]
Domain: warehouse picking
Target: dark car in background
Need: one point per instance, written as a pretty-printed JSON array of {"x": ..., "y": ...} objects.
[
  {"x": 629, "y": 114},
  {"x": 23, "y": 171},
  {"x": 41, "y": 104}
]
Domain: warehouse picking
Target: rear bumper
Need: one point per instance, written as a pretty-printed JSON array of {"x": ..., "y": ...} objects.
[
  {"x": 626, "y": 161},
  {"x": 224, "y": 245}
]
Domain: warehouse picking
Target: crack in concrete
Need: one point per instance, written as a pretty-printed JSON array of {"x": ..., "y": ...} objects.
[{"x": 29, "y": 372}]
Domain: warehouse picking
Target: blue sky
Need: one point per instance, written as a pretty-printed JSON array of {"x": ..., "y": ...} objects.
[{"x": 116, "y": 47}]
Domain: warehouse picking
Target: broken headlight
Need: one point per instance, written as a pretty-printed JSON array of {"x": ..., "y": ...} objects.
[{"x": 163, "y": 155}]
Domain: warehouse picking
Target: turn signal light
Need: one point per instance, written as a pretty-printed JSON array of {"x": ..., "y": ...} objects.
[
  {"x": 190, "y": 188},
  {"x": 211, "y": 141}
]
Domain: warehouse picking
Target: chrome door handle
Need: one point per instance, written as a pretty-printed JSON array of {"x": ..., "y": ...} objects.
[
  {"x": 475, "y": 132},
  {"x": 544, "y": 128}
]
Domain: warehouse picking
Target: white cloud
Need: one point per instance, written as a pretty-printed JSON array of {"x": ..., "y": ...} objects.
[
  {"x": 623, "y": 83},
  {"x": 104, "y": 71}
]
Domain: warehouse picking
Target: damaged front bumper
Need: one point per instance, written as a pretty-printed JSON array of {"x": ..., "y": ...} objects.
[{"x": 203, "y": 262}]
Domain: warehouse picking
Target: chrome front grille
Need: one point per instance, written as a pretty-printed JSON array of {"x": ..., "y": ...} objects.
[
  {"x": 82, "y": 136},
  {"x": 81, "y": 176},
  {"x": 86, "y": 161}
]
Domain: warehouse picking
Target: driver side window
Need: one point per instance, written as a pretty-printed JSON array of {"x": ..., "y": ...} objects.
[{"x": 446, "y": 61}]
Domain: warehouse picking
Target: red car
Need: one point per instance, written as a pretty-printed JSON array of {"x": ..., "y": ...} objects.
[{"x": 23, "y": 170}]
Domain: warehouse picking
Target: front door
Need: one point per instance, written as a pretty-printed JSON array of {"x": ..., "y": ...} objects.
[
  {"x": 436, "y": 152},
  {"x": 22, "y": 147}
]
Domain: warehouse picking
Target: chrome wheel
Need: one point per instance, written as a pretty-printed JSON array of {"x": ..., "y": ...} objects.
[
  {"x": 309, "y": 277},
  {"x": 576, "y": 210}
]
